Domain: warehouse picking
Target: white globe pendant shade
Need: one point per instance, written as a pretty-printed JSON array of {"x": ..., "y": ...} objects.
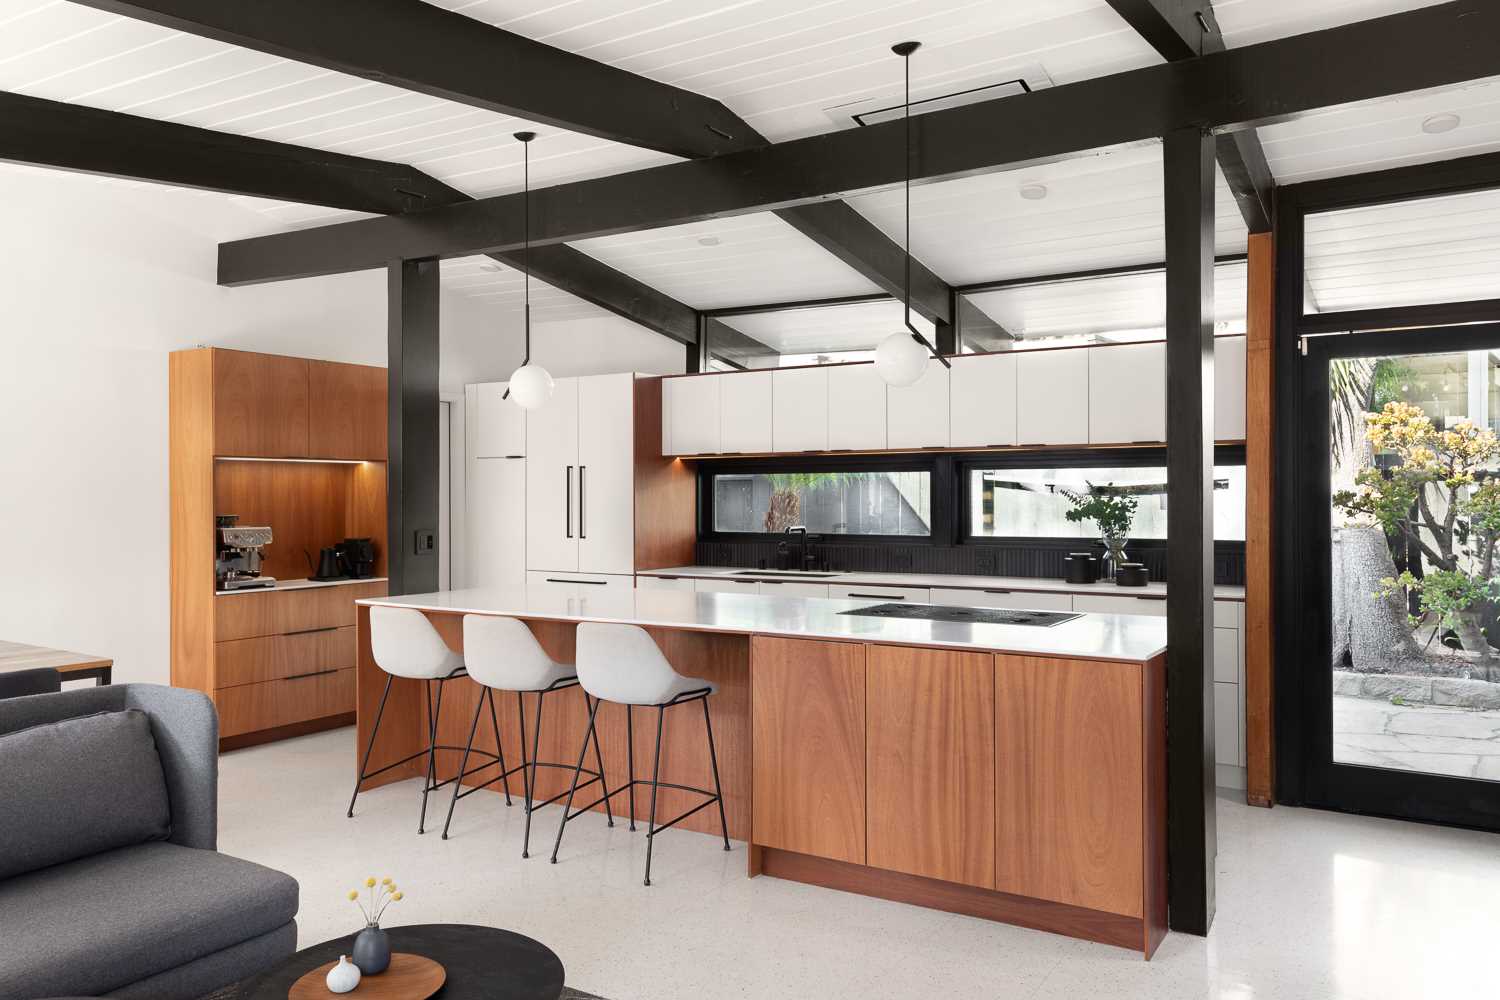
[
  {"x": 900, "y": 359},
  {"x": 531, "y": 386}
]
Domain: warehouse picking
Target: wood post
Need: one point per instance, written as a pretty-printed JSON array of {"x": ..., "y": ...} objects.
[{"x": 1260, "y": 430}]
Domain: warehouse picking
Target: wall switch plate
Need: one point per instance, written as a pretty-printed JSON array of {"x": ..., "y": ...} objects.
[{"x": 426, "y": 540}]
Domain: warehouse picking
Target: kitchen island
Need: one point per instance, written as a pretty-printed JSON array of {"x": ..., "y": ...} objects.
[{"x": 1008, "y": 771}]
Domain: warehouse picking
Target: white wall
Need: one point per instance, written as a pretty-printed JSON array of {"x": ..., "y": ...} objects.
[{"x": 99, "y": 280}]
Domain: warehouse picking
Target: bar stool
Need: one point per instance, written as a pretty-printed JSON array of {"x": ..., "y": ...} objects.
[
  {"x": 503, "y": 655},
  {"x": 623, "y": 664},
  {"x": 403, "y": 643}
]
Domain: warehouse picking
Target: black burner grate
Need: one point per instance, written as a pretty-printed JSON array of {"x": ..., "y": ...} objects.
[{"x": 983, "y": 616}]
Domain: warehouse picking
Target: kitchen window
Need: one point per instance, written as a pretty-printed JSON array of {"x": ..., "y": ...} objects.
[{"x": 894, "y": 503}]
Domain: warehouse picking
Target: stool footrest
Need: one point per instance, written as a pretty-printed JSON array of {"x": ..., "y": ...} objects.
[{"x": 702, "y": 805}]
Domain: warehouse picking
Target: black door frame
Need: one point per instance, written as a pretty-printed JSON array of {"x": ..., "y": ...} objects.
[{"x": 1357, "y": 788}]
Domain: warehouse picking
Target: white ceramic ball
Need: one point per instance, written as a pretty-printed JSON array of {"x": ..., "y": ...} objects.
[
  {"x": 900, "y": 359},
  {"x": 531, "y": 386},
  {"x": 343, "y": 977}
]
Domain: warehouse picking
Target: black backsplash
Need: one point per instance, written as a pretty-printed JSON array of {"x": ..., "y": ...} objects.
[{"x": 1023, "y": 557}]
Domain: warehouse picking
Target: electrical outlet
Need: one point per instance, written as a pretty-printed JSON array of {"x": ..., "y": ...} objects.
[{"x": 426, "y": 541}]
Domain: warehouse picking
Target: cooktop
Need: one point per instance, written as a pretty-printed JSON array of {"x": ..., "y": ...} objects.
[{"x": 983, "y": 616}]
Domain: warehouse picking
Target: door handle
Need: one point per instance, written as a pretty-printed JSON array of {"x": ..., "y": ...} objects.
[
  {"x": 582, "y": 530},
  {"x": 568, "y": 501}
]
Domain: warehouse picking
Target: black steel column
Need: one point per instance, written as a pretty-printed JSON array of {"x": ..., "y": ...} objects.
[
  {"x": 1192, "y": 841},
  {"x": 414, "y": 412}
]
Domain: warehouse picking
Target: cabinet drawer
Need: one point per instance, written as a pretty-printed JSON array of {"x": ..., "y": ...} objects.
[
  {"x": 1018, "y": 600},
  {"x": 273, "y": 657},
  {"x": 250, "y": 708},
  {"x": 791, "y": 588},
  {"x": 241, "y": 616},
  {"x": 664, "y": 583},
  {"x": 1110, "y": 605},
  {"x": 903, "y": 595},
  {"x": 717, "y": 586}
]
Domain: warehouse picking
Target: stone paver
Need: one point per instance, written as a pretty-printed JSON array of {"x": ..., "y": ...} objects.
[{"x": 1437, "y": 739}]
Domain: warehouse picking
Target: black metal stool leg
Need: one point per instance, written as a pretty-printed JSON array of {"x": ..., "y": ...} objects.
[
  {"x": 463, "y": 766},
  {"x": 432, "y": 731},
  {"x": 364, "y": 765},
  {"x": 598, "y": 758},
  {"x": 713, "y": 759},
  {"x": 536, "y": 747},
  {"x": 573, "y": 788},
  {"x": 661, "y": 714},
  {"x": 630, "y": 759},
  {"x": 499, "y": 747},
  {"x": 525, "y": 770}
]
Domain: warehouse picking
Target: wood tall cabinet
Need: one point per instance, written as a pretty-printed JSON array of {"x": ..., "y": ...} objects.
[{"x": 275, "y": 661}]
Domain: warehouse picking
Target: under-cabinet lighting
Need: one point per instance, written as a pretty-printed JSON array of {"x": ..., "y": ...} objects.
[{"x": 302, "y": 461}]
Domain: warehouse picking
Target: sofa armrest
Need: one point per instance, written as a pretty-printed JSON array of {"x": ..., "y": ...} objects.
[{"x": 186, "y": 729}]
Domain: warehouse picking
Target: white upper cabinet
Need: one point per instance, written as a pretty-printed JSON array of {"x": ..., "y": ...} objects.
[
  {"x": 801, "y": 409},
  {"x": 983, "y": 401},
  {"x": 745, "y": 417},
  {"x": 1229, "y": 389},
  {"x": 499, "y": 424},
  {"x": 1052, "y": 397},
  {"x": 691, "y": 410},
  {"x": 856, "y": 408},
  {"x": 917, "y": 414},
  {"x": 605, "y": 503},
  {"x": 1127, "y": 393}
]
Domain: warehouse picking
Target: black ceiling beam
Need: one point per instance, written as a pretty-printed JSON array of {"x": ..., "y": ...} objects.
[
  {"x": 1272, "y": 81},
  {"x": 424, "y": 48},
  {"x": 1174, "y": 29},
  {"x": 87, "y": 140},
  {"x": 421, "y": 47}
]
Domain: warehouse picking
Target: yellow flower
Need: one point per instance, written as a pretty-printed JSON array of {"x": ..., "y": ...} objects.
[
  {"x": 353, "y": 893},
  {"x": 370, "y": 882},
  {"x": 385, "y": 881},
  {"x": 396, "y": 895}
]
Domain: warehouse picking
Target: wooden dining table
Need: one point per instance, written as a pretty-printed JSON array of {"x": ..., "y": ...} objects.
[{"x": 72, "y": 666}]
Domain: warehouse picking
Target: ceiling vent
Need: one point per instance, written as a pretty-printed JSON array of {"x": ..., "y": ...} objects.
[{"x": 874, "y": 110}]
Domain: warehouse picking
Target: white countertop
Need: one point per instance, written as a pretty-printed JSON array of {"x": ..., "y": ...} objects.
[
  {"x": 299, "y": 585},
  {"x": 1133, "y": 638},
  {"x": 1023, "y": 583}
]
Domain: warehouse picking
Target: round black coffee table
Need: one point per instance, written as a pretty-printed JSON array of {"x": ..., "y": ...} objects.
[{"x": 482, "y": 963}]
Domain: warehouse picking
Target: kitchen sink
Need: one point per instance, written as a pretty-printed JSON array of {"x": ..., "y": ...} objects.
[
  {"x": 984, "y": 616},
  {"x": 795, "y": 574}
]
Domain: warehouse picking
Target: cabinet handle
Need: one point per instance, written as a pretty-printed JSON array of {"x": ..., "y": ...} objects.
[
  {"x": 591, "y": 583},
  {"x": 568, "y": 501},
  {"x": 512, "y": 456},
  {"x": 582, "y": 530},
  {"x": 310, "y": 631},
  {"x": 889, "y": 597},
  {"x": 1149, "y": 597},
  {"x": 998, "y": 592},
  {"x": 315, "y": 673}
]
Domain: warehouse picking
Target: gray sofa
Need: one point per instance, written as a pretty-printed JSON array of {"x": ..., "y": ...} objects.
[{"x": 110, "y": 881}]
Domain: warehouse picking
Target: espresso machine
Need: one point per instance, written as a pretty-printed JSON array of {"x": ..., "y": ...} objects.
[{"x": 237, "y": 554}]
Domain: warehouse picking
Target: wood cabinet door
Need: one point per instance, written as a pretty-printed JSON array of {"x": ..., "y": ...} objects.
[
  {"x": 346, "y": 411},
  {"x": 930, "y": 755},
  {"x": 807, "y": 717},
  {"x": 260, "y": 405},
  {"x": 1128, "y": 394},
  {"x": 1070, "y": 809}
]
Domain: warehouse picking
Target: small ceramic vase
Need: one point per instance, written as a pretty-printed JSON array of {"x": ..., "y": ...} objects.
[
  {"x": 372, "y": 950},
  {"x": 343, "y": 977}
]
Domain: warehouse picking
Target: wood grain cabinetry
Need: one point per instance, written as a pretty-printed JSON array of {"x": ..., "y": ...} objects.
[
  {"x": 346, "y": 411},
  {"x": 252, "y": 708},
  {"x": 807, "y": 717},
  {"x": 273, "y": 657},
  {"x": 930, "y": 754},
  {"x": 259, "y": 405}
]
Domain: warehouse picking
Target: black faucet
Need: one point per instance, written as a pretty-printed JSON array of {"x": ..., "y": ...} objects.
[{"x": 802, "y": 556}]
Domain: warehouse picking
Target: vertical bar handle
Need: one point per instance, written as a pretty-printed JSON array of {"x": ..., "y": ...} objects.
[
  {"x": 568, "y": 502},
  {"x": 582, "y": 530}
]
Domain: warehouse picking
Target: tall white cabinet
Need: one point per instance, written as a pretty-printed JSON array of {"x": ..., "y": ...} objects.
[{"x": 494, "y": 488}]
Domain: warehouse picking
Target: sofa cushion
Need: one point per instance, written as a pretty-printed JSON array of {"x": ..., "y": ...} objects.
[
  {"x": 94, "y": 925},
  {"x": 77, "y": 787}
]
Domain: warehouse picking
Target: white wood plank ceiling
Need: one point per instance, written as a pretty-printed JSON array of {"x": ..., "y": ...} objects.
[{"x": 827, "y": 330}]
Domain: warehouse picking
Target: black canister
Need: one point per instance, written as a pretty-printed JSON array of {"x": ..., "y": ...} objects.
[
  {"x": 1081, "y": 567},
  {"x": 1132, "y": 574}
]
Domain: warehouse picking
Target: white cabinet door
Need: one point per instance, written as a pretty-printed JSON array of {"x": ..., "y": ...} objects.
[
  {"x": 745, "y": 412},
  {"x": 552, "y": 481},
  {"x": 496, "y": 511},
  {"x": 1018, "y": 600},
  {"x": 917, "y": 414},
  {"x": 579, "y": 585},
  {"x": 645, "y": 582},
  {"x": 1052, "y": 397},
  {"x": 1226, "y": 724},
  {"x": 605, "y": 498},
  {"x": 1128, "y": 393},
  {"x": 792, "y": 588},
  {"x": 499, "y": 424},
  {"x": 718, "y": 585},
  {"x": 1227, "y": 614},
  {"x": 801, "y": 407},
  {"x": 856, "y": 408},
  {"x": 693, "y": 405},
  {"x": 982, "y": 410},
  {"x": 1227, "y": 655},
  {"x": 890, "y": 595},
  {"x": 1110, "y": 605},
  {"x": 1229, "y": 389}
]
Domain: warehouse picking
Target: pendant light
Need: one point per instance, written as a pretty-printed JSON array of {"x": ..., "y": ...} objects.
[
  {"x": 901, "y": 358},
  {"x": 531, "y": 385}
]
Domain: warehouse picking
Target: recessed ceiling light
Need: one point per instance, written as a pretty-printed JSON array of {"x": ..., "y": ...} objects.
[
  {"x": 1033, "y": 192},
  {"x": 489, "y": 267},
  {"x": 1438, "y": 124},
  {"x": 709, "y": 241}
]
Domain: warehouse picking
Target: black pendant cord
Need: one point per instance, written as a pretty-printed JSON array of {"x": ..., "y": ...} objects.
[
  {"x": 525, "y": 139},
  {"x": 904, "y": 50}
]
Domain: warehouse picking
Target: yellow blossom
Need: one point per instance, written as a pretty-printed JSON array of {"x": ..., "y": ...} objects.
[
  {"x": 386, "y": 880},
  {"x": 396, "y": 895},
  {"x": 370, "y": 882},
  {"x": 353, "y": 893}
]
